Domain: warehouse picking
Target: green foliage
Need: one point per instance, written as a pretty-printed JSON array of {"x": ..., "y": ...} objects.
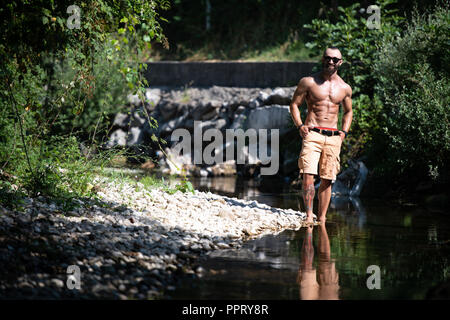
[
  {"x": 364, "y": 125},
  {"x": 293, "y": 49},
  {"x": 60, "y": 87},
  {"x": 400, "y": 82},
  {"x": 183, "y": 186},
  {"x": 150, "y": 182},
  {"x": 90, "y": 118},
  {"x": 256, "y": 30},
  {"x": 59, "y": 170},
  {"x": 10, "y": 197},
  {"x": 356, "y": 41},
  {"x": 414, "y": 85},
  {"x": 358, "y": 45},
  {"x": 239, "y": 29}
]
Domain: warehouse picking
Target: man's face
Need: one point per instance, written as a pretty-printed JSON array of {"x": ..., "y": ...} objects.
[{"x": 331, "y": 60}]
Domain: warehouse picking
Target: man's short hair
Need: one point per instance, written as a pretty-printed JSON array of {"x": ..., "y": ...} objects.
[{"x": 330, "y": 47}]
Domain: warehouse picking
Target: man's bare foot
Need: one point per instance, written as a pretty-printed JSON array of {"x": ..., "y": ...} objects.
[
  {"x": 309, "y": 221},
  {"x": 321, "y": 220}
]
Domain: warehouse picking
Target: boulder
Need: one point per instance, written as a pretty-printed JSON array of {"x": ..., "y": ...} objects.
[
  {"x": 168, "y": 109},
  {"x": 224, "y": 114},
  {"x": 168, "y": 127},
  {"x": 189, "y": 124},
  {"x": 134, "y": 136},
  {"x": 117, "y": 138},
  {"x": 121, "y": 120},
  {"x": 239, "y": 121},
  {"x": 350, "y": 181},
  {"x": 255, "y": 103},
  {"x": 240, "y": 109},
  {"x": 279, "y": 96},
  {"x": 137, "y": 119},
  {"x": 213, "y": 124},
  {"x": 153, "y": 96},
  {"x": 212, "y": 114},
  {"x": 227, "y": 168},
  {"x": 250, "y": 158},
  {"x": 270, "y": 117},
  {"x": 207, "y": 111},
  {"x": 263, "y": 97},
  {"x": 176, "y": 162}
]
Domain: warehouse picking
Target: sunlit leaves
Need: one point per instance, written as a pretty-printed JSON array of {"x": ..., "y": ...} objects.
[
  {"x": 414, "y": 84},
  {"x": 66, "y": 82}
]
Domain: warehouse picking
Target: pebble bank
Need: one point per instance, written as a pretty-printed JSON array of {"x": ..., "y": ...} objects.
[{"x": 132, "y": 243}]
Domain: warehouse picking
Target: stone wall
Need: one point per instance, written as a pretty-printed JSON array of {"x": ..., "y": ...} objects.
[
  {"x": 213, "y": 107},
  {"x": 219, "y": 95},
  {"x": 227, "y": 74}
]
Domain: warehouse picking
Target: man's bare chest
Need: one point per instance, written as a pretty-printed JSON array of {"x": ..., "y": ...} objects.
[{"x": 327, "y": 92}]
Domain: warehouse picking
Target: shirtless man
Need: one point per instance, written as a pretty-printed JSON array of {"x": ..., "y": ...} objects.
[{"x": 324, "y": 92}]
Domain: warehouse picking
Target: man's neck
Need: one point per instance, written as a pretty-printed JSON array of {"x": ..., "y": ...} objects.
[{"x": 328, "y": 76}]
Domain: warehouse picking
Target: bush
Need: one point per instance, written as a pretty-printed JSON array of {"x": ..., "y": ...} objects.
[
  {"x": 356, "y": 41},
  {"x": 358, "y": 45},
  {"x": 413, "y": 73},
  {"x": 59, "y": 85},
  {"x": 89, "y": 114}
]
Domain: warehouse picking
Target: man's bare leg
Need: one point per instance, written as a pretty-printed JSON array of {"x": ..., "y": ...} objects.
[
  {"x": 308, "y": 193},
  {"x": 324, "y": 199}
]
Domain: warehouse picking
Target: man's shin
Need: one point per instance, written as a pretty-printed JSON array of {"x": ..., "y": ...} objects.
[
  {"x": 308, "y": 197},
  {"x": 324, "y": 197}
]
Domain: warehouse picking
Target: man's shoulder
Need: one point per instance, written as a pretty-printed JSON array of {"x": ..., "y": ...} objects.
[
  {"x": 345, "y": 85},
  {"x": 306, "y": 81}
]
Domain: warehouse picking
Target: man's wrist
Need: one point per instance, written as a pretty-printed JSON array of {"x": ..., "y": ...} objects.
[
  {"x": 345, "y": 132},
  {"x": 301, "y": 125}
]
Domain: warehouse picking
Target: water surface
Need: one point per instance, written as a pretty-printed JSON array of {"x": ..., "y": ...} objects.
[{"x": 410, "y": 245}]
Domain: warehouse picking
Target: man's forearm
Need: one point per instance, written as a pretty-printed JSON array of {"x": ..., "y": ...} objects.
[
  {"x": 295, "y": 114},
  {"x": 347, "y": 120}
]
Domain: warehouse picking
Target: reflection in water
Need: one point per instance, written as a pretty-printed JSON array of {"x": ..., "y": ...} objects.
[
  {"x": 356, "y": 215},
  {"x": 411, "y": 244},
  {"x": 326, "y": 285},
  {"x": 432, "y": 234},
  {"x": 227, "y": 186}
]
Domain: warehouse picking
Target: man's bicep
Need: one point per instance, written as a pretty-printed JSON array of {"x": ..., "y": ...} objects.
[
  {"x": 300, "y": 92},
  {"x": 347, "y": 103}
]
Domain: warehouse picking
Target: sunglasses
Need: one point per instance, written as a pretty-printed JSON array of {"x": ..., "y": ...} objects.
[{"x": 335, "y": 60}]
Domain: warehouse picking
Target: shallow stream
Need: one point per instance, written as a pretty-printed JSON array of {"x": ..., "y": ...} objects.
[{"x": 403, "y": 251}]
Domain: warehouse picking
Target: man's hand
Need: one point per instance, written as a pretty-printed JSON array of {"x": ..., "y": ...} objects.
[
  {"x": 304, "y": 130},
  {"x": 342, "y": 135}
]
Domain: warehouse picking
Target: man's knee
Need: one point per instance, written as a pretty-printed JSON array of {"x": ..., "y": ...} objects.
[
  {"x": 325, "y": 183},
  {"x": 308, "y": 179}
]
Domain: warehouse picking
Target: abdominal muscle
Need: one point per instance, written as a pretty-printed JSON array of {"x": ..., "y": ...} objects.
[{"x": 323, "y": 115}]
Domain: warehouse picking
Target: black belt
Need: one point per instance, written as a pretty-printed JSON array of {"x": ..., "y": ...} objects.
[{"x": 326, "y": 132}]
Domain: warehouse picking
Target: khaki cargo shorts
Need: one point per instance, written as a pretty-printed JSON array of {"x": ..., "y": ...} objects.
[{"x": 320, "y": 154}]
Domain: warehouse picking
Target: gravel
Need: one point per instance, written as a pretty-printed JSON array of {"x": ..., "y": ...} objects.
[{"x": 131, "y": 243}]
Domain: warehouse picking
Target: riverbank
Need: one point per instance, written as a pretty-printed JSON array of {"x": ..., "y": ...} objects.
[{"x": 131, "y": 243}]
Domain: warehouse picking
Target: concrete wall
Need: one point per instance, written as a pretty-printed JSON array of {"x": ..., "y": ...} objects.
[{"x": 228, "y": 74}]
